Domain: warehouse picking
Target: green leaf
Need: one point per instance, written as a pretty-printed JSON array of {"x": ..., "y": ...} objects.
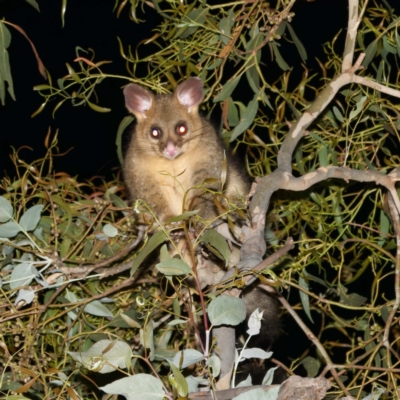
[
  {"x": 247, "y": 118},
  {"x": 6, "y": 209},
  {"x": 110, "y": 230},
  {"x": 338, "y": 114},
  {"x": 227, "y": 89},
  {"x": 359, "y": 107},
  {"x": 311, "y": 365},
  {"x": 226, "y": 310},
  {"x": 137, "y": 387},
  {"x": 253, "y": 394},
  {"x": 191, "y": 22},
  {"x": 179, "y": 381},
  {"x": 255, "y": 44},
  {"x": 174, "y": 267},
  {"x": 9, "y": 229},
  {"x": 104, "y": 356},
  {"x": 305, "y": 301},
  {"x": 152, "y": 244},
  {"x": 97, "y": 308},
  {"x": 225, "y": 26},
  {"x": 387, "y": 46},
  {"x": 34, "y": 4},
  {"x": 279, "y": 59},
  {"x": 233, "y": 115},
  {"x": 30, "y": 219},
  {"x": 300, "y": 48},
  {"x": 73, "y": 74},
  {"x": 253, "y": 78},
  {"x": 397, "y": 41},
  {"x": 97, "y": 108},
  {"x": 5, "y": 71},
  {"x": 187, "y": 357},
  {"x": 383, "y": 228},
  {"x": 183, "y": 216},
  {"x": 218, "y": 242},
  {"x": 22, "y": 275},
  {"x": 352, "y": 299},
  {"x": 164, "y": 253},
  {"x": 121, "y": 128},
  {"x": 370, "y": 53}
]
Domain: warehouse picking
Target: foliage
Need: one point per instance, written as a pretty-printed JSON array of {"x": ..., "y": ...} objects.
[{"x": 67, "y": 247}]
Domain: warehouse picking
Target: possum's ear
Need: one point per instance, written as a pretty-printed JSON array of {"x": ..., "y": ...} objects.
[
  {"x": 190, "y": 93},
  {"x": 138, "y": 100}
]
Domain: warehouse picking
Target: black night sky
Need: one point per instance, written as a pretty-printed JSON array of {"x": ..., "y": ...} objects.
[{"x": 93, "y": 24}]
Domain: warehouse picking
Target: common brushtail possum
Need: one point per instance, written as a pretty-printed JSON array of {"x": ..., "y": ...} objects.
[{"x": 174, "y": 148}]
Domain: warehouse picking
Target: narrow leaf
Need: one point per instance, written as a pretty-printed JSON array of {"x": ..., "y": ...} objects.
[
  {"x": 305, "y": 301},
  {"x": 370, "y": 53},
  {"x": 174, "y": 267},
  {"x": 247, "y": 118},
  {"x": 121, "y": 128},
  {"x": 152, "y": 244},
  {"x": 5, "y": 71},
  {"x": 97, "y": 308},
  {"x": 97, "y": 108},
  {"x": 300, "y": 48},
  {"x": 279, "y": 59},
  {"x": 227, "y": 89}
]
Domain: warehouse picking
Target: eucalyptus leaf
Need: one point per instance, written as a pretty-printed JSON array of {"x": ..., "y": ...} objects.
[
  {"x": 214, "y": 362},
  {"x": 269, "y": 376},
  {"x": 305, "y": 301},
  {"x": 255, "y": 394},
  {"x": 247, "y": 382},
  {"x": 31, "y": 218},
  {"x": 6, "y": 209},
  {"x": 104, "y": 356},
  {"x": 179, "y": 381},
  {"x": 255, "y": 353},
  {"x": 311, "y": 365},
  {"x": 152, "y": 244},
  {"x": 118, "y": 141},
  {"x": 95, "y": 307},
  {"x": 300, "y": 48},
  {"x": 226, "y": 310},
  {"x": 218, "y": 242},
  {"x": 26, "y": 295},
  {"x": 227, "y": 89},
  {"x": 22, "y": 275},
  {"x": 338, "y": 114},
  {"x": 184, "y": 358},
  {"x": 359, "y": 107},
  {"x": 110, "y": 230},
  {"x": 279, "y": 59},
  {"x": 183, "y": 216},
  {"x": 136, "y": 387},
  {"x": 5, "y": 70},
  {"x": 370, "y": 53},
  {"x": 174, "y": 267},
  {"x": 246, "y": 118}
]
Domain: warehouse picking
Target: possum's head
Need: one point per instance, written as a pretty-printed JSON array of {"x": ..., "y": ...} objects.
[{"x": 167, "y": 125}]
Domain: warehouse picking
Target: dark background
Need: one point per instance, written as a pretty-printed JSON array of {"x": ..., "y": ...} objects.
[{"x": 93, "y": 24}]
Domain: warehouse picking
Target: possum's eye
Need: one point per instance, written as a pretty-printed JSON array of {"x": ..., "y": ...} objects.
[
  {"x": 181, "y": 129},
  {"x": 155, "y": 132}
]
